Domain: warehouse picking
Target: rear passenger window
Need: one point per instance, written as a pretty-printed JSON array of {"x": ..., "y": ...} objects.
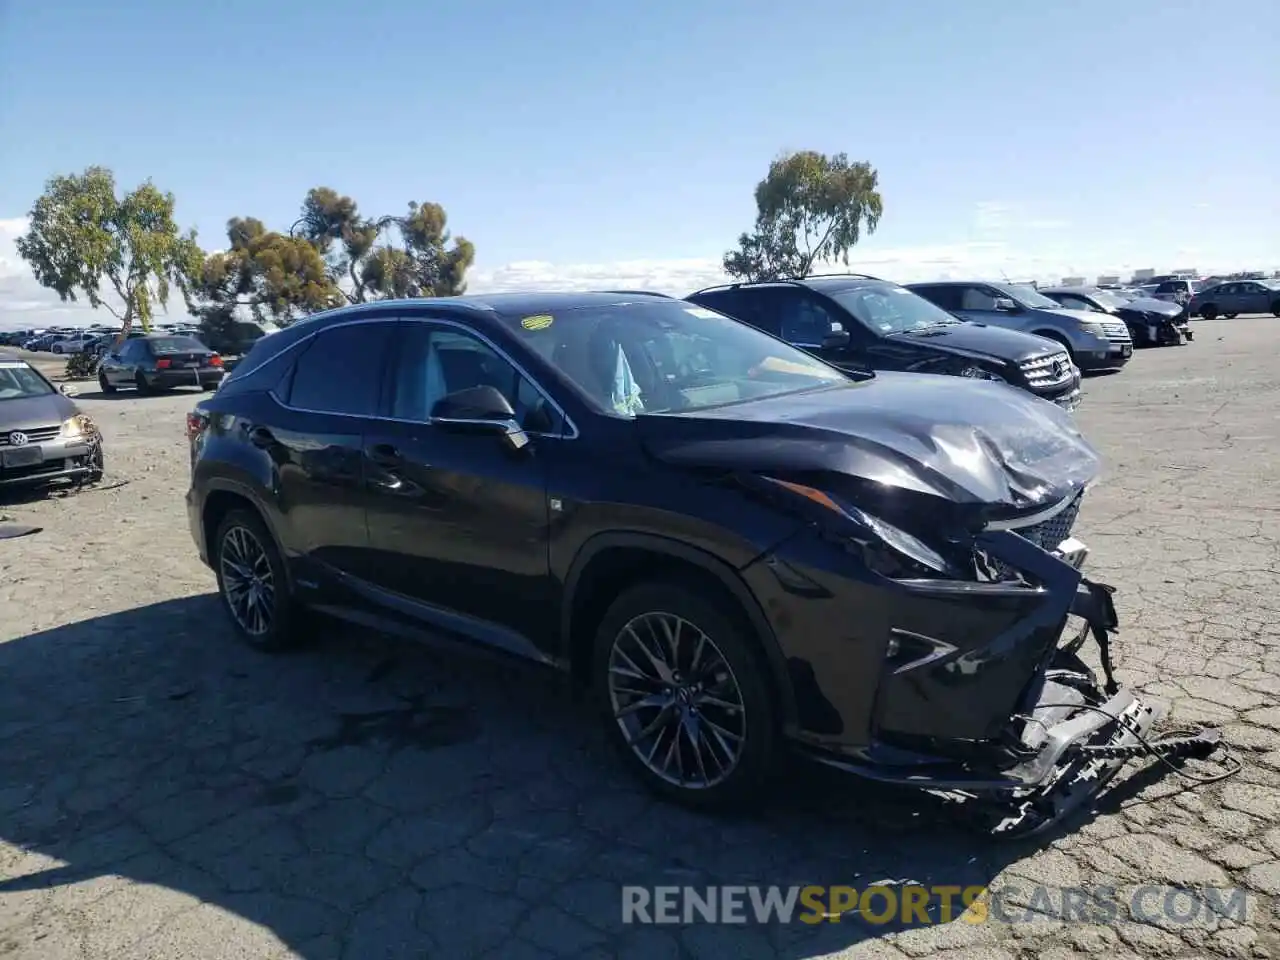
[{"x": 341, "y": 371}]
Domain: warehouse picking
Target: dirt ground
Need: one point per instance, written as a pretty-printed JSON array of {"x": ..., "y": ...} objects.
[{"x": 165, "y": 793}]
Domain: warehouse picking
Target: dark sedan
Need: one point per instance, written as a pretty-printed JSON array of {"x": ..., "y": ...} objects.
[
  {"x": 1151, "y": 322},
  {"x": 731, "y": 544},
  {"x": 160, "y": 362},
  {"x": 43, "y": 435}
]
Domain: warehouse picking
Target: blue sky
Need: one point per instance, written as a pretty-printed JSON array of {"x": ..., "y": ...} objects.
[{"x": 583, "y": 144}]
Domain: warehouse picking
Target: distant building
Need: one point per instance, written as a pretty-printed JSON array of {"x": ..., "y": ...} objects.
[
  {"x": 1142, "y": 276},
  {"x": 1109, "y": 280},
  {"x": 1073, "y": 282}
]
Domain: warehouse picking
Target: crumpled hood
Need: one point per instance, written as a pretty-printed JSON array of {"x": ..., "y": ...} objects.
[
  {"x": 1154, "y": 308},
  {"x": 969, "y": 442}
]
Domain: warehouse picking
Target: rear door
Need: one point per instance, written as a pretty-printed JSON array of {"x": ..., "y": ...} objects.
[{"x": 316, "y": 441}]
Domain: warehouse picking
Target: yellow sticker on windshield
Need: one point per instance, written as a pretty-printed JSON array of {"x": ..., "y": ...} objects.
[{"x": 539, "y": 322}]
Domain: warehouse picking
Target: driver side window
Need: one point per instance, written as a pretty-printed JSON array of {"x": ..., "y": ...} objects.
[
  {"x": 976, "y": 298},
  {"x": 434, "y": 361},
  {"x": 803, "y": 321}
]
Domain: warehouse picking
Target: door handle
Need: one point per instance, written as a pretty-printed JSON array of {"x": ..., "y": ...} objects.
[
  {"x": 385, "y": 455},
  {"x": 262, "y": 438}
]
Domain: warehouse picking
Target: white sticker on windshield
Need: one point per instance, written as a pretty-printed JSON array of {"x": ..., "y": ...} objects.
[
  {"x": 20, "y": 365},
  {"x": 702, "y": 313}
]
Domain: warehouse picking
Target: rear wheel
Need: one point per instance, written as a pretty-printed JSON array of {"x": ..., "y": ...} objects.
[
  {"x": 140, "y": 383},
  {"x": 1275, "y": 309},
  {"x": 684, "y": 694},
  {"x": 104, "y": 384},
  {"x": 1209, "y": 312},
  {"x": 1231, "y": 316},
  {"x": 253, "y": 582}
]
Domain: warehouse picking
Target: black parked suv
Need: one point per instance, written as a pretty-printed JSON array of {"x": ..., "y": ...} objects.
[
  {"x": 733, "y": 544},
  {"x": 858, "y": 322}
]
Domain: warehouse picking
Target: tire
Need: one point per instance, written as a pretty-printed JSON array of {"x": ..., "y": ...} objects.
[
  {"x": 56, "y": 349},
  {"x": 1209, "y": 312},
  {"x": 241, "y": 536},
  {"x": 1231, "y": 316},
  {"x": 104, "y": 384},
  {"x": 1275, "y": 309},
  {"x": 731, "y": 775},
  {"x": 140, "y": 383}
]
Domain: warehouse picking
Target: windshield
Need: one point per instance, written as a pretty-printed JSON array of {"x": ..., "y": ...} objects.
[
  {"x": 636, "y": 358},
  {"x": 162, "y": 345},
  {"x": 18, "y": 381},
  {"x": 1030, "y": 297},
  {"x": 889, "y": 309},
  {"x": 1108, "y": 299}
]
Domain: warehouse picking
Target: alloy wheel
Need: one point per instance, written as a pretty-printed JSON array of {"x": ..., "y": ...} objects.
[
  {"x": 677, "y": 701},
  {"x": 248, "y": 582}
]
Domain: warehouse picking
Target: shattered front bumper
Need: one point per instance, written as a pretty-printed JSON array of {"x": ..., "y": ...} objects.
[{"x": 1068, "y": 732}]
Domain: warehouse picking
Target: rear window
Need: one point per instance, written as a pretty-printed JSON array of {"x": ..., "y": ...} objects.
[{"x": 163, "y": 345}]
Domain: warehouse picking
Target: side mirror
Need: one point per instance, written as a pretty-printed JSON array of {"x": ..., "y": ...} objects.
[
  {"x": 1005, "y": 305},
  {"x": 68, "y": 390},
  {"x": 480, "y": 410},
  {"x": 837, "y": 337}
]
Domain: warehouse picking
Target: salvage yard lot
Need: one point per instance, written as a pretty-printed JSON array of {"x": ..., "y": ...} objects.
[{"x": 167, "y": 793}]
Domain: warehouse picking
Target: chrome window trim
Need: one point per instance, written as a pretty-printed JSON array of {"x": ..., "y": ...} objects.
[{"x": 570, "y": 431}]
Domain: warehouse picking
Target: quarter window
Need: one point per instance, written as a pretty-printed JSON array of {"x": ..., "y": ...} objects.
[{"x": 341, "y": 372}]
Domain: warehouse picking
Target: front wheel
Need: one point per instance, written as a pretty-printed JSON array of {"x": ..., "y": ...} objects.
[
  {"x": 1275, "y": 309},
  {"x": 56, "y": 349},
  {"x": 104, "y": 384},
  {"x": 1209, "y": 312},
  {"x": 1231, "y": 316},
  {"x": 685, "y": 697},
  {"x": 253, "y": 582}
]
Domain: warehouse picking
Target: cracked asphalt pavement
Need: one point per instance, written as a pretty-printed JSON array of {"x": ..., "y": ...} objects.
[{"x": 166, "y": 793}]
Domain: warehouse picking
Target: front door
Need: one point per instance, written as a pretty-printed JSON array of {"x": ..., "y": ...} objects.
[{"x": 458, "y": 521}]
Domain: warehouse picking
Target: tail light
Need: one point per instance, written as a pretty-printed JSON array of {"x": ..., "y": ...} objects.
[
  {"x": 197, "y": 422},
  {"x": 215, "y": 361},
  {"x": 163, "y": 364}
]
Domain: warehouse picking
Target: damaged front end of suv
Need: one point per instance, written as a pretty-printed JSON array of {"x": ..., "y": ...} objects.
[{"x": 932, "y": 607}]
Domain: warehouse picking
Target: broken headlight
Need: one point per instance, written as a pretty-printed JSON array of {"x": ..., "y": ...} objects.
[{"x": 858, "y": 524}]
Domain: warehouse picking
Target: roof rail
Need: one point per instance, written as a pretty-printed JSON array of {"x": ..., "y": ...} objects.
[
  {"x": 640, "y": 293},
  {"x": 794, "y": 281},
  {"x": 825, "y": 276}
]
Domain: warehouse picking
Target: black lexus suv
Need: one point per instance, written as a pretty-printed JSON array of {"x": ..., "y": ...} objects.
[
  {"x": 731, "y": 544},
  {"x": 857, "y": 322}
]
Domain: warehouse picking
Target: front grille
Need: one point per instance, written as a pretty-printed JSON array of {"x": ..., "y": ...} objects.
[
  {"x": 1047, "y": 371},
  {"x": 1046, "y": 535},
  {"x": 1116, "y": 330},
  {"x": 35, "y": 435},
  {"x": 1049, "y": 533}
]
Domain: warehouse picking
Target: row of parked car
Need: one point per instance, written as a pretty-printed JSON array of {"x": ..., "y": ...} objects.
[
  {"x": 234, "y": 341},
  {"x": 1036, "y": 339}
]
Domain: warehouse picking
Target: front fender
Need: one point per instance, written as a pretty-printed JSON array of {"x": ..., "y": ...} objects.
[{"x": 723, "y": 572}]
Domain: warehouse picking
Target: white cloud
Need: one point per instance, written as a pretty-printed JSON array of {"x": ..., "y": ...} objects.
[{"x": 24, "y": 303}]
